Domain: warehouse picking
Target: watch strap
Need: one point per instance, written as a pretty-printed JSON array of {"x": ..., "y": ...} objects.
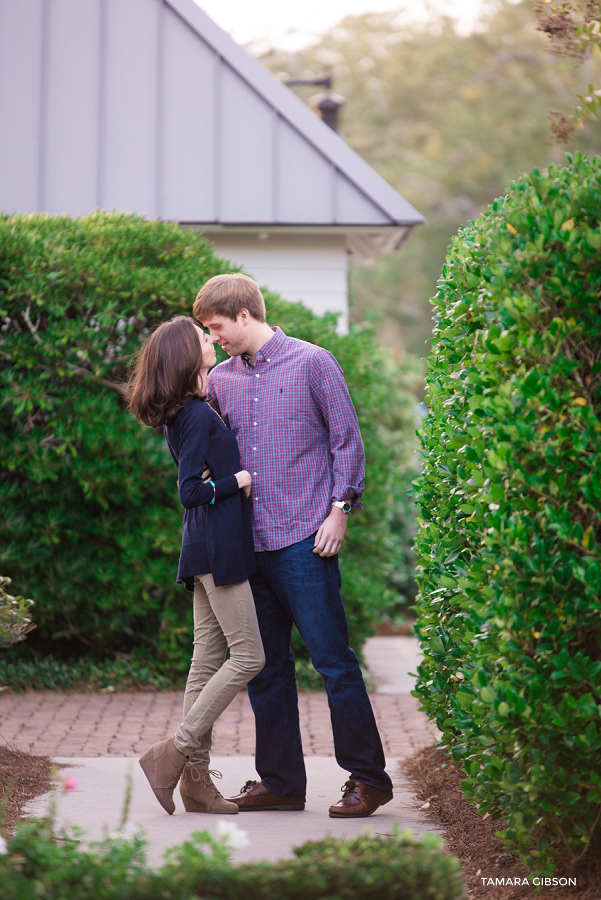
[{"x": 344, "y": 505}]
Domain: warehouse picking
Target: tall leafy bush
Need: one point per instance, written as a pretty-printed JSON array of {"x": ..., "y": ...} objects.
[
  {"x": 509, "y": 499},
  {"x": 89, "y": 516}
]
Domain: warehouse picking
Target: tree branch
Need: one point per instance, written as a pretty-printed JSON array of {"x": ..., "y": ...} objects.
[
  {"x": 85, "y": 373},
  {"x": 79, "y": 372},
  {"x": 33, "y": 328}
]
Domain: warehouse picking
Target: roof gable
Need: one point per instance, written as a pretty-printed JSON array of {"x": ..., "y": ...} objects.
[{"x": 148, "y": 106}]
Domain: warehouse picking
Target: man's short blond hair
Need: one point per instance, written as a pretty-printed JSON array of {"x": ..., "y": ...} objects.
[{"x": 226, "y": 295}]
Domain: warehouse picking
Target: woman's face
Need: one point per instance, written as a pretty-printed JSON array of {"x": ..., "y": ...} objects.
[{"x": 209, "y": 357}]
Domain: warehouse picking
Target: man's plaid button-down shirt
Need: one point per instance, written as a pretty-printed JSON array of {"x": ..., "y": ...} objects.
[{"x": 298, "y": 435}]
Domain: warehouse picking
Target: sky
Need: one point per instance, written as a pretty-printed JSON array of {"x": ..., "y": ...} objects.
[{"x": 292, "y": 24}]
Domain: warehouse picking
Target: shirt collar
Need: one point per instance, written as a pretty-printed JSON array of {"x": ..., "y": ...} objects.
[{"x": 271, "y": 348}]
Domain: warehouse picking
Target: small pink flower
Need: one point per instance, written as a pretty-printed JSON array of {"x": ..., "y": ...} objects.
[{"x": 70, "y": 785}]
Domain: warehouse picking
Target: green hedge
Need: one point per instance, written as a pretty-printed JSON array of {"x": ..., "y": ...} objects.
[
  {"x": 89, "y": 516},
  {"x": 510, "y": 498},
  {"x": 41, "y": 864}
]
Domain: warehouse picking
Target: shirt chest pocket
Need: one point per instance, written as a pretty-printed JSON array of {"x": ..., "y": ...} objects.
[{"x": 293, "y": 406}]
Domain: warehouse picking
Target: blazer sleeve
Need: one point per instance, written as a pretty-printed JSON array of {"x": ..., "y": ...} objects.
[{"x": 194, "y": 435}]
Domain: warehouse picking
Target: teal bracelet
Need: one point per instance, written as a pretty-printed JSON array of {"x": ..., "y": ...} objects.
[{"x": 212, "y": 483}]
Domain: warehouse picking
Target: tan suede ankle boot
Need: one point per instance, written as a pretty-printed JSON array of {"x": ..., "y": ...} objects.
[
  {"x": 163, "y": 764},
  {"x": 199, "y": 794}
]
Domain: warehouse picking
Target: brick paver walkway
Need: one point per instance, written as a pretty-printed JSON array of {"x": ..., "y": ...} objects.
[{"x": 53, "y": 724}]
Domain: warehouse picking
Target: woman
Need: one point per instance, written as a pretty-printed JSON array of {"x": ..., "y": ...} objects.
[{"x": 217, "y": 555}]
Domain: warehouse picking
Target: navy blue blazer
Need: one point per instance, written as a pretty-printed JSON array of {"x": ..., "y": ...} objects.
[{"x": 216, "y": 538}]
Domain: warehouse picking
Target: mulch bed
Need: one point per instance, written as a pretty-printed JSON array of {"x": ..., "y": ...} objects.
[
  {"x": 22, "y": 777},
  {"x": 436, "y": 780}
]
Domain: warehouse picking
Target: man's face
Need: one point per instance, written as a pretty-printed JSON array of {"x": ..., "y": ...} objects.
[{"x": 231, "y": 334}]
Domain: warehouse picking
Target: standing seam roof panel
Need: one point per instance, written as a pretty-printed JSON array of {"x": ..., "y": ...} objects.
[
  {"x": 147, "y": 106},
  {"x": 245, "y": 149},
  {"x": 72, "y": 107},
  {"x": 288, "y": 105},
  {"x": 188, "y": 127},
  {"x": 21, "y": 41},
  {"x": 130, "y": 84}
]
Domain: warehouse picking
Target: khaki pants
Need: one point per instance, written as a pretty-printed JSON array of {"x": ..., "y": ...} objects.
[{"x": 224, "y": 617}]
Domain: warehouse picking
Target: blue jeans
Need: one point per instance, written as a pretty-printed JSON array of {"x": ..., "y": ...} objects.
[{"x": 295, "y": 586}]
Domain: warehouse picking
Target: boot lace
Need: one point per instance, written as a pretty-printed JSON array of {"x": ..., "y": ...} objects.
[
  {"x": 207, "y": 778},
  {"x": 197, "y": 774}
]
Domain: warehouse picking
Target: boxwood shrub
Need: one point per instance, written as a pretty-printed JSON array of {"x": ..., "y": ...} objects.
[
  {"x": 89, "y": 516},
  {"x": 510, "y": 513}
]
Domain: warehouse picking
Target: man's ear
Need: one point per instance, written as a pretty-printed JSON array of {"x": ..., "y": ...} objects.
[{"x": 244, "y": 316}]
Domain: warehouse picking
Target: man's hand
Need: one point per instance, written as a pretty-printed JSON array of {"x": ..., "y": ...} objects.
[
  {"x": 244, "y": 482},
  {"x": 330, "y": 537}
]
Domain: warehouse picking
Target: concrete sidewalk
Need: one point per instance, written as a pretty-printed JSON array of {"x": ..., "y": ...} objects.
[
  {"x": 98, "y": 737},
  {"x": 393, "y": 663},
  {"x": 96, "y": 805}
]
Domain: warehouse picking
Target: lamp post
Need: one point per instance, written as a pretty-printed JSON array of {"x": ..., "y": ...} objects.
[{"x": 327, "y": 103}]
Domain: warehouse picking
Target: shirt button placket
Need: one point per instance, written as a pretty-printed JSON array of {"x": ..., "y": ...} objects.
[{"x": 254, "y": 461}]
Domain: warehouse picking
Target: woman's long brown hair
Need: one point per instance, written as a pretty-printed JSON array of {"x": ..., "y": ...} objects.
[{"x": 166, "y": 372}]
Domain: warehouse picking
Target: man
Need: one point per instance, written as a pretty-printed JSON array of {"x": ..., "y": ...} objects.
[{"x": 288, "y": 405}]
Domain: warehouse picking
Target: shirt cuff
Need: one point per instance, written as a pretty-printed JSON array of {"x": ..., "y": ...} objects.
[
  {"x": 347, "y": 493},
  {"x": 225, "y": 487}
]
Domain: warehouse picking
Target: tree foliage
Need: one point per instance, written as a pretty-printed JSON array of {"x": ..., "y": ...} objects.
[
  {"x": 90, "y": 522},
  {"x": 575, "y": 31},
  {"x": 448, "y": 119},
  {"x": 510, "y": 499}
]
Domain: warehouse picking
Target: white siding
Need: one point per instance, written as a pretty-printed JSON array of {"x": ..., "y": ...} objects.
[{"x": 311, "y": 269}]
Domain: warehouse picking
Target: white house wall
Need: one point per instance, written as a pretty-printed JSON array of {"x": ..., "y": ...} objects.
[{"x": 311, "y": 269}]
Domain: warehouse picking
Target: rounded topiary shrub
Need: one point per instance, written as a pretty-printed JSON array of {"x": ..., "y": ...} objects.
[
  {"x": 509, "y": 501},
  {"x": 90, "y": 523}
]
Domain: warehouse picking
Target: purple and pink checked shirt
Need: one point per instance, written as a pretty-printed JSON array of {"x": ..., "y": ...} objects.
[{"x": 298, "y": 435}]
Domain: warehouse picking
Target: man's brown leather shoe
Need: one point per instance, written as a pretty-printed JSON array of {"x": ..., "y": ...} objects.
[
  {"x": 255, "y": 796},
  {"x": 358, "y": 800}
]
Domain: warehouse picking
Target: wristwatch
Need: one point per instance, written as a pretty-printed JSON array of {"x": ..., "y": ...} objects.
[{"x": 344, "y": 505}]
